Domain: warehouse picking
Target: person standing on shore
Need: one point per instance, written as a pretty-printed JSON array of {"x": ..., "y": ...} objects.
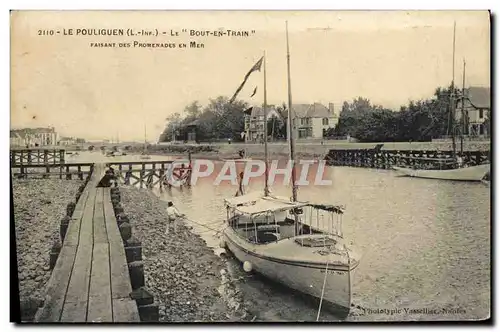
[{"x": 172, "y": 215}]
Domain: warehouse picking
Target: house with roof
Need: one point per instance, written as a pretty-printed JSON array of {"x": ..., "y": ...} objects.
[
  {"x": 16, "y": 139},
  {"x": 67, "y": 141},
  {"x": 254, "y": 122},
  {"x": 476, "y": 103},
  {"x": 189, "y": 131},
  {"x": 313, "y": 120},
  {"x": 33, "y": 137}
]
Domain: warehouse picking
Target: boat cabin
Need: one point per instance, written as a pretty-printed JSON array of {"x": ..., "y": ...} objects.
[{"x": 263, "y": 219}]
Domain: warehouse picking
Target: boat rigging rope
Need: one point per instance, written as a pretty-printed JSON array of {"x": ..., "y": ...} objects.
[{"x": 322, "y": 291}]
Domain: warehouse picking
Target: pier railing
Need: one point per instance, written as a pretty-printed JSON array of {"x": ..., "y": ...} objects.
[
  {"x": 36, "y": 157},
  {"x": 63, "y": 171},
  {"x": 144, "y": 173}
]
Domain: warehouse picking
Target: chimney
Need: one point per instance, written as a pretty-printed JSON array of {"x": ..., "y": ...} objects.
[{"x": 331, "y": 108}]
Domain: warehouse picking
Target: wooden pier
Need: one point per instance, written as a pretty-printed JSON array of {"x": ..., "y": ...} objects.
[
  {"x": 147, "y": 174},
  {"x": 63, "y": 171},
  {"x": 386, "y": 159},
  {"x": 98, "y": 275},
  {"x": 36, "y": 157}
]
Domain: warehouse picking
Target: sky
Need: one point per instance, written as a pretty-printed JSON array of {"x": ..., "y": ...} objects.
[{"x": 105, "y": 93}]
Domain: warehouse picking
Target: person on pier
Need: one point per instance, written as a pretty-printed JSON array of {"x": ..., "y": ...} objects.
[{"x": 172, "y": 215}]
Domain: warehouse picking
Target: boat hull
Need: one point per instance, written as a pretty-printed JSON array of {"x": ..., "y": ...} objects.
[
  {"x": 307, "y": 278},
  {"x": 473, "y": 173}
]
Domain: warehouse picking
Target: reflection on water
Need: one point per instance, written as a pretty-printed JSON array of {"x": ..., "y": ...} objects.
[{"x": 425, "y": 243}]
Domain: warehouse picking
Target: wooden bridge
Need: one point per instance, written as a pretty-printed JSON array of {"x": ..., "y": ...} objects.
[
  {"x": 386, "y": 159},
  {"x": 98, "y": 274}
]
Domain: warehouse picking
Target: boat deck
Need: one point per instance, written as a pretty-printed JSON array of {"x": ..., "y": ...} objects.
[{"x": 291, "y": 250}]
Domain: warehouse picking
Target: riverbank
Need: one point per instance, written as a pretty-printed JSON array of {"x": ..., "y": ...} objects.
[
  {"x": 189, "y": 282},
  {"x": 39, "y": 206}
]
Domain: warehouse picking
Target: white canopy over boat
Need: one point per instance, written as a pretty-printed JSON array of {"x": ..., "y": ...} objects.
[
  {"x": 257, "y": 203},
  {"x": 268, "y": 204},
  {"x": 244, "y": 199}
]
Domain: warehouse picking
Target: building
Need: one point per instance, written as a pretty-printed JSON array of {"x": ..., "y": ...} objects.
[
  {"x": 33, "y": 137},
  {"x": 476, "y": 105},
  {"x": 313, "y": 120},
  {"x": 254, "y": 122},
  {"x": 67, "y": 141},
  {"x": 189, "y": 131}
]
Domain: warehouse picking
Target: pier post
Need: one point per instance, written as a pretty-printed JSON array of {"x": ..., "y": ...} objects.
[
  {"x": 122, "y": 218},
  {"x": 118, "y": 209},
  {"x": 190, "y": 169},
  {"x": 478, "y": 158},
  {"x": 54, "y": 254},
  {"x": 133, "y": 250},
  {"x": 136, "y": 271},
  {"x": 148, "y": 309},
  {"x": 125, "y": 231},
  {"x": 29, "y": 307},
  {"x": 142, "y": 174},
  {"x": 64, "y": 227},
  {"x": 70, "y": 208}
]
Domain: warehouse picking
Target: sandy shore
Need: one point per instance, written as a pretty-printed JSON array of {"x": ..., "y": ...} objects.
[
  {"x": 39, "y": 206},
  {"x": 187, "y": 279}
]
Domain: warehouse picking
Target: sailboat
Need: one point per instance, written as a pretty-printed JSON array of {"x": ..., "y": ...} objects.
[
  {"x": 144, "y": 154},
  {"x": 299, "y": 244},
  {"x": 454, "y": 169}
]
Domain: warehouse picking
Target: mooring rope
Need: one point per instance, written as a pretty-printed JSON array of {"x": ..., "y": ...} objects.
[
  {"x": 322, "y": 291},
  {"x": 204, "y": 225}
]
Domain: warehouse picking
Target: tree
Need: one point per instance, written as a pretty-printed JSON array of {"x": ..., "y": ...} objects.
[
  {"x": 192, "y": 111},
  {"x": 351, "y": 115},
  {"x": 420, "y": 120},
  {"x": 173, "y": 121},
  {"x": 227, "y": 118}
]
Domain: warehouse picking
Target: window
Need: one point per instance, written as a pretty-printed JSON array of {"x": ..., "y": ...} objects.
[
  {"x": 481, "y": 114},
  {"x": 325, "y": 121}
]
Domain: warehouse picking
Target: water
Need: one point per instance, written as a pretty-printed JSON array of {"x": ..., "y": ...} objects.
[{"x": 425, "y": 244}]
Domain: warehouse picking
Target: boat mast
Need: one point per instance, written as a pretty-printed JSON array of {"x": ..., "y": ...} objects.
[
  {"x": 291, "y": 121},
  {"x": 145, "y": 137},
  {"x": 266, "y": 178},
  {"x": 462, "y": 131},
  {"x": 452, "y": 98}
]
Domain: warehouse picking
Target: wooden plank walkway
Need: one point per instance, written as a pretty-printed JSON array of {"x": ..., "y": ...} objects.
[{"x": 90, "y": 281}]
